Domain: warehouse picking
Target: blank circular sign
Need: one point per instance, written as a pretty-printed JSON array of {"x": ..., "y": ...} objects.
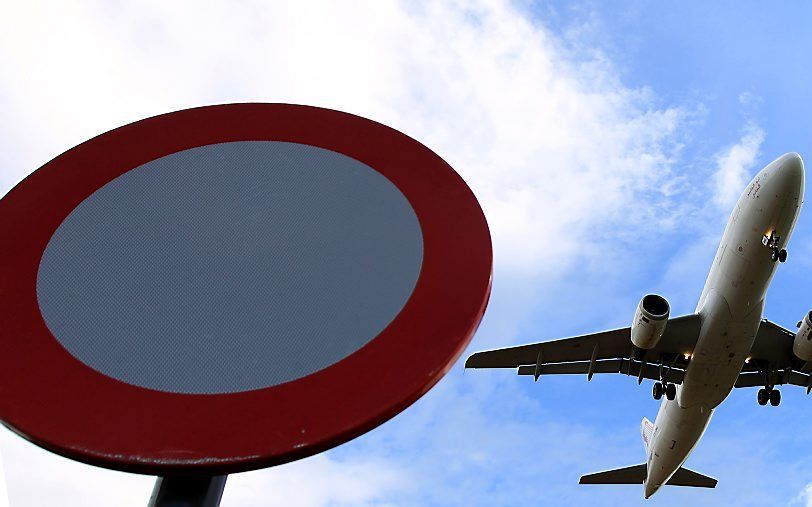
[
  {"x": 231, "y": 287},
  {"x": 230, "y": 267}
]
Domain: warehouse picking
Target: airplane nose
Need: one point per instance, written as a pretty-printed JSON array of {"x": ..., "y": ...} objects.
[
  {"x": 789, "y": 178},
  {"x": 792, "y": 165}
]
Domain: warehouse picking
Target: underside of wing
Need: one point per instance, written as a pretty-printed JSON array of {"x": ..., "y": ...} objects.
[
  {"x": 604, "y": 352},
  {"x": 611, "y": 344},
  {"x": 773, "y": 345},
  {"x": 772, "y": 362}
]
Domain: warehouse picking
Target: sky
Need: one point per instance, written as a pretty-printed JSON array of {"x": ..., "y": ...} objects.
[{"x": 606, "y": 142}]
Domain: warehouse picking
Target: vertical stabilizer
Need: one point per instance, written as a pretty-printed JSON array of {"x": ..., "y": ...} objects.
[{"x": 646, "y": 430}]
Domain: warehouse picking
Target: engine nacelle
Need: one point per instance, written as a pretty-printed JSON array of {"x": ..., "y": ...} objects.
[
  {"x": 649, "y": 321},
  {"x": 802, "y": 346}
]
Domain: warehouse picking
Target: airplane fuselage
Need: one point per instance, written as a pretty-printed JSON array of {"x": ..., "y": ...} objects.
[{"x": 730, "y": 310}]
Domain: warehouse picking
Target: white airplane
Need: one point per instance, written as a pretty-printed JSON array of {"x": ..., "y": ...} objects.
[{"x": 696, "y": 360}]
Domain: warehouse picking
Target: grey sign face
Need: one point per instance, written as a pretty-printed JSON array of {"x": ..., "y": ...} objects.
[{"x": 230, "y": 267}]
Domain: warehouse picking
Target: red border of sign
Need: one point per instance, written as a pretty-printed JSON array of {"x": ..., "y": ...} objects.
[{"x": 59, "y": 403}]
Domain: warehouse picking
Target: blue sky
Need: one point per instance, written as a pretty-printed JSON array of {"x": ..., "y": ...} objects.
[{"x": 606, "y": 143}]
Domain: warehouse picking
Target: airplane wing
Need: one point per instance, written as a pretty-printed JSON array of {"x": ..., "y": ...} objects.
[
  {"x": 772, "y": 361},
  {"x": 604, "y": 352}
]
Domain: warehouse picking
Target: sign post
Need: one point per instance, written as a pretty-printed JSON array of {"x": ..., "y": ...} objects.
[
  {"x": 232, "y": 287},
  {"x": 200, "y": 491}
]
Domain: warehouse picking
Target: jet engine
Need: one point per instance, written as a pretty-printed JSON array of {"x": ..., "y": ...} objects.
[
  {"x": 649, "y": 321},
  {"x": 802, "y": 346}
]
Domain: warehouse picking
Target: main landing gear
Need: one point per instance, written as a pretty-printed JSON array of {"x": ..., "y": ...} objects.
[
  {"x": 769, "y": 394},
  {"x": 670, "y": 391}
]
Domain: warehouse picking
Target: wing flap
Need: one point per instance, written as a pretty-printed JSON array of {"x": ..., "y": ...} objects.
[
  {"x": 625, "y": 366},
  {"x": 777, "y": 378},
  {"x": 754, "y": 379}
]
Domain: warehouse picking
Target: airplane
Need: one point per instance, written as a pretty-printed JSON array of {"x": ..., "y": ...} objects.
[{"x": 696, "y": 360}]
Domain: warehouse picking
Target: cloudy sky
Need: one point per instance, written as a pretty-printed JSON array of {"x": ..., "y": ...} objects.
[{"x": 606, "y": 144}]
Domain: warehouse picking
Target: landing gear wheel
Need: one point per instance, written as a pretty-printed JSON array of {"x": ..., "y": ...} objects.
[
  {"x": 774, "y": 255},
  {"x": 782, "y": 256},
  {"x": 670, "y": 391},
  {"x": 775, "y": 397},
  {"x": 658, "y": 390},
  {"x": 763, "y": 396}
]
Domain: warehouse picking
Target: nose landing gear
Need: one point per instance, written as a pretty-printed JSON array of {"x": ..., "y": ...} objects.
[
  {"x": 777, "y": 254},
  {"x": 670, "y": 391}
]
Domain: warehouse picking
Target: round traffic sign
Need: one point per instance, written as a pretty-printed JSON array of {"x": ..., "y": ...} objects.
[{"x": 231, "y": 287}]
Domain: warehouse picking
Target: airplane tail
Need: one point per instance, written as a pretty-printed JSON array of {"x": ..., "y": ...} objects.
[
  {"x": 636, "y": 474},
  {"x": 646, "y": 429}
]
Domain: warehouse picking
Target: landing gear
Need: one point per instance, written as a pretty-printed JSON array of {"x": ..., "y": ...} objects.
[
  {"x": 778, "y": 255},
  {"x": 670, "y": 391},
  {"x": 769, "y": 394},
  {"x": 772, "y": 242}
]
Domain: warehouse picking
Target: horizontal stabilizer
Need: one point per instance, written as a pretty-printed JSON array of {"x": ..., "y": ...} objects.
[
  {"x": 685, "y": 477},
  {"x": 630, "y": 475},
  {"x": 636, "y": 474}
]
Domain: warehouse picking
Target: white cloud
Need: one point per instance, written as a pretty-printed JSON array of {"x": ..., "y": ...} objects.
[
  {"x": 570, "y": 166},
  {"x": 735, "y": 165},
  {"x": 362, "y": 481},
  {"x": 321, "y": 480},
  {"x": 488, "y": 439},
  {"x": 37, "y": 478},
  {"x": 804, "y": 498},
  {"x": 3, "y": 488},
  {"x": 551, "y": 141}
]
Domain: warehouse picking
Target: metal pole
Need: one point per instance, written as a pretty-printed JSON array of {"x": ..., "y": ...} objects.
[{"x": 191, "y": 491}]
